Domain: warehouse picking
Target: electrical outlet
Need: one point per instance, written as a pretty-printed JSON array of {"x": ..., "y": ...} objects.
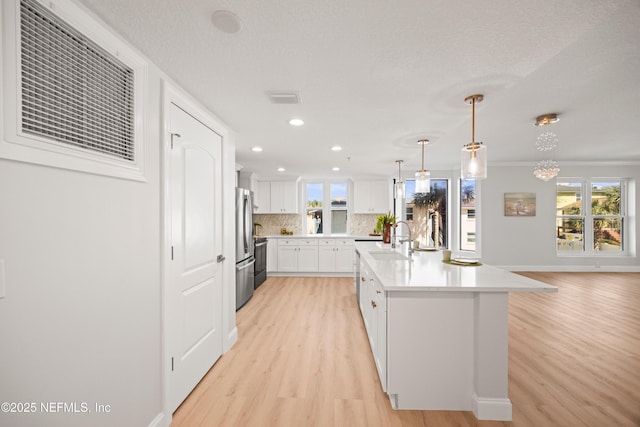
[{"x": 2, "y": 286}]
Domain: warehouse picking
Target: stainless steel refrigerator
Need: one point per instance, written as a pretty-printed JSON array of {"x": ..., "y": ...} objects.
[{"x": 244, "y": 246}]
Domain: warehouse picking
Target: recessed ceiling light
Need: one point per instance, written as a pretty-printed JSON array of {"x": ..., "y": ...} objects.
[
  {"x": 257, "y": 149},
  {"x": 226, "y": 21},
  {"x": 296, "y": 122},
  {"x": 335, "y": 169},
  {"x": 336, "y": 148},
  {"x": 280, "y": 169}
]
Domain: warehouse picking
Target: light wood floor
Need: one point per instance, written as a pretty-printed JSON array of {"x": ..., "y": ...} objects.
[{"x": 303, "y": 359}]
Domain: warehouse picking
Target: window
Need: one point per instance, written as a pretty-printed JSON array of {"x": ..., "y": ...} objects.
[
  {"x": 338, "y": 207},
  {"x": 326, "y": 207},
  {"x": 590, "y": 216},
  {"x": 409, "y": 213},
  {"x": 467, "y": 215},
  {"x": 428, "y": 213},
  {"x": 314, "y": 208}
]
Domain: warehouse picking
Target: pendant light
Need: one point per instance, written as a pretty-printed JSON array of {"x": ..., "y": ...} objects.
[
  {"x": 423, "y": 181},
  {"x": 399, "y": 187},
  {"x": 547, "y": 168},
  {"x": 474, "y": 154}
]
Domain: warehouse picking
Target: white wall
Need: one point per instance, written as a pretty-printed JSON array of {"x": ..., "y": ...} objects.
[
  {"x": 81, "y": 317},
  {"x": 81, "y": 320},
  {"x": 528, "y": 243}
]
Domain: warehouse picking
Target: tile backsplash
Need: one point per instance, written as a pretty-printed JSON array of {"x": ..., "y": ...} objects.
[
  {"x": 361, "y": 224},
  {"x": 272, "y": 223}
]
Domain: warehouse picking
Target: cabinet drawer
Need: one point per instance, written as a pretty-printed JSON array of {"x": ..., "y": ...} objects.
[
  {"x": 326, "y": 242},
  {"x": 344, "y": 242},
  {"x": 287, "y": 242},
  {"x": 307, "y": 242}
]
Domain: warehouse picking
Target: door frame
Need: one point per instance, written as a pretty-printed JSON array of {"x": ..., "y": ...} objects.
[{"x": 170, "y": 93}]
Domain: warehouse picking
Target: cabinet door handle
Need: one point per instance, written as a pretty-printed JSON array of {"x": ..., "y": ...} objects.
[
  {"x": 362, "y": 278},
  {"x": 373, "y": 304},
  {"x": 378, "y": 292}
]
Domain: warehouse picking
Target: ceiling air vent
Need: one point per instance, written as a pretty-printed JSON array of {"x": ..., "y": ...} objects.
[
  {"x": 73, "y": 91},
  {"x": 284, "y": 97}
]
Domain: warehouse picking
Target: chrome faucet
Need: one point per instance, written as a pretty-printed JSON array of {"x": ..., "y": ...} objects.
[{"x": 410, "y": 239}]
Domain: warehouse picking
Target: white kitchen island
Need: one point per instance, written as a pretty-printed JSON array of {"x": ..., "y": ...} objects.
[{"x": 438, "y": 332}]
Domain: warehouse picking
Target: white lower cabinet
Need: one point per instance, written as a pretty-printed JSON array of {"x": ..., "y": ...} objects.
[
  {"x": 380, "y": 313},
  {"x": 307, "y": 255},
  {"x": 335, "y": 255},
  {"x": 297, "y": 255},
  {"x": 272, "y": 255},
  {"x": 373, "y": 305},
  {"x": 310, "y": 255}
]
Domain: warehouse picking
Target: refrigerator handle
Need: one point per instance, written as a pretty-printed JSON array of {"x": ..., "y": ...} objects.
[{"x": 244, "y": 223}]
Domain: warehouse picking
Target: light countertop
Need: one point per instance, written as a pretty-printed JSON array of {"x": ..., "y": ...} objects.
[
  {"x": 325, "y": 236},
  {"x": 425, "y": 271}
]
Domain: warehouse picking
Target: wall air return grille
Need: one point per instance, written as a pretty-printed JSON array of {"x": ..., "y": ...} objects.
[{"x": 72, "y": 91}]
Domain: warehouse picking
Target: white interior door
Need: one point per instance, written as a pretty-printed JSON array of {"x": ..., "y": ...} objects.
[{"x": 194, "y": 282}]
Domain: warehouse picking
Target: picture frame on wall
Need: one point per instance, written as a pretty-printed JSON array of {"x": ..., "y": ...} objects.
[{"x": 519, "y": 204}]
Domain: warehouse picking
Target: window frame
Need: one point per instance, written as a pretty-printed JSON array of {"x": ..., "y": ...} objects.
[{"x": 587, "y": 217}]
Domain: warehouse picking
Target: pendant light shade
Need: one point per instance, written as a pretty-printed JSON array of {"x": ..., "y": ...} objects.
[
  {"x": 423, "y": 177},
  {"x": 474, "y": 161},
  {"x": 474, "y": 154},
  {"x": 399, "y": 188}
]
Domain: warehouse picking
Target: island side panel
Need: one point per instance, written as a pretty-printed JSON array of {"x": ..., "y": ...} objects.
[
  {"x": 430, "y": 345},
  {"x": 491, "y": 370}
]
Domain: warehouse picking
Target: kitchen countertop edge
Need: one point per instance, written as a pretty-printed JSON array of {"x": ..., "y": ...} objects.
[
  {"x": 426, "y": 272},
  {"x": 324, "y": 236}
]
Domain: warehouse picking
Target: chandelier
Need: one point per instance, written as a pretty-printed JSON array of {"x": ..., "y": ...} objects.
[{"x": 545, "y": 144}]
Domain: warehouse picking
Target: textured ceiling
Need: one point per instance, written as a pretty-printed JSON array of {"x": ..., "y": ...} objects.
[{"x": 375, "y": 76}]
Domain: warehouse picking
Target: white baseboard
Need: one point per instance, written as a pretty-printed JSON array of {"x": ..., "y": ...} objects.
[
  {"x": 232, "y": 337},
  {"x": 160, "y": 421},
  {"x": 491, "y": 408},
  {"x": 312, "y": 274}
]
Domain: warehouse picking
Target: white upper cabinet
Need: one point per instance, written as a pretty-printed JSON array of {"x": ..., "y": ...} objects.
[
  {"x": 284, "y": 196},
  {"x": 371, "y": 196},
  {"x": 263, "y": 197},
  {"x": 277, "y": 197}
]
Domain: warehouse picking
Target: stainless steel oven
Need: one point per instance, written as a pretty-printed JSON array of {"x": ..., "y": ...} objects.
[{"x": 260, "y": 253}]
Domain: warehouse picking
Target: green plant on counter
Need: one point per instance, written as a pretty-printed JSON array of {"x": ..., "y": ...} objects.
[{"x": 385, "y": 219}]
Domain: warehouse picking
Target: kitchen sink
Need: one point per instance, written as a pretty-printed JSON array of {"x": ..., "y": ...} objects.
[{"x": 388, "y": 256}]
